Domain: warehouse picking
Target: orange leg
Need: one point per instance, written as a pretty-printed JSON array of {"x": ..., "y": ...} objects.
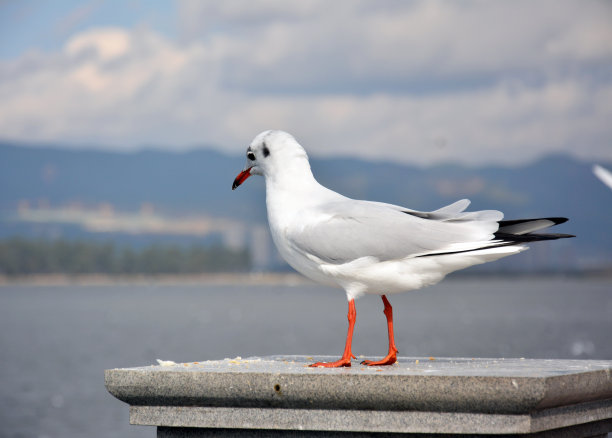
[
  {"x": 390, "y": 358},
  {"x": 345, "y": 360}
]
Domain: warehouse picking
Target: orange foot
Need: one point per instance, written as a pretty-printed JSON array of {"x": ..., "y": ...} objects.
[
  {"x": 389, "y": 359},
  {"x": 342, "y": 362}
]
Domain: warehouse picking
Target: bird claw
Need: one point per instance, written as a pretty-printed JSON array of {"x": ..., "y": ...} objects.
[
  {"x": 342, "y": 362},
  {"x": 390, "y": 359}
]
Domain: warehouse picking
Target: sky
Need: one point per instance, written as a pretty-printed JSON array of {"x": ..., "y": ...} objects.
[{"x": 419, "y": 82}]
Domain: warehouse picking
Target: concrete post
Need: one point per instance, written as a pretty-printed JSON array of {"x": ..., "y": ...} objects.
[{"x": 281, "y": 396}]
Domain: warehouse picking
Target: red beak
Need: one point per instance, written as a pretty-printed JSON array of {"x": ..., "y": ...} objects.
[{"x": 242, "y": 177}]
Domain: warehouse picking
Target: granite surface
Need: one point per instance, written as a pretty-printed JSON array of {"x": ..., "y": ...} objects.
[
  {"x": 595, "y": 413},
  {"x": 483, "y": 386}
]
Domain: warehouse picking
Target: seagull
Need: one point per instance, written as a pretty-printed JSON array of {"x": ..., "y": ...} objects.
[
  {"x": 367, "y": 247},
  {"x": 604, "y": 175}
]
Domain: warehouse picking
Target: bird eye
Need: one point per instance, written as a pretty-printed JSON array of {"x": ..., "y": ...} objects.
[{"x": 251, "y": 156}]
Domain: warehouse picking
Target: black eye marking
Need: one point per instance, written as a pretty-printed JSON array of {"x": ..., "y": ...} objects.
[
  {"x": 266, "y": 151},
  {"x": 251, "y": 156}
]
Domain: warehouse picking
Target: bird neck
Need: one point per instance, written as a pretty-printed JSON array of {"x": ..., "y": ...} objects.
[
  {"x": 294, "y": 178},
  {"x": 293, "y": 189}
]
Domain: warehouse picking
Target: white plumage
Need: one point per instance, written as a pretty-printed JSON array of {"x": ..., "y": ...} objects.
[{"x": 364, "y": 246}]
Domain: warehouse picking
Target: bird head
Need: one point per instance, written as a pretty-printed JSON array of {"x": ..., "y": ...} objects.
[{"x": 271, "y": 153}]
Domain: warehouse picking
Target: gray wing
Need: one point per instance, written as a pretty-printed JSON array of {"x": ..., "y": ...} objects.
[{"x": 342, "y": 231}]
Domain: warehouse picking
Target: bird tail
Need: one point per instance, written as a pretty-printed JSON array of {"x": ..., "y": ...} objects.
[
  {"x": 522, "y": 230},
  {"x": 510, "y": 234}
]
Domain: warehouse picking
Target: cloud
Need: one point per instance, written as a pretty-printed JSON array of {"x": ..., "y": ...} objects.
[
  {"x": 403, "y": 45},
  {"x": 412, "y": 81}
]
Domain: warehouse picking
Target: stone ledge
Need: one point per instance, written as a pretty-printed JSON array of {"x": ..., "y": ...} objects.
[
  {"x": 485, "y": 396},
  {"x": 370, "y": 421}
]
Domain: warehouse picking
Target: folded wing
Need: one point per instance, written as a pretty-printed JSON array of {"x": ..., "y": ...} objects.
[{"x": 343, "y": 231}]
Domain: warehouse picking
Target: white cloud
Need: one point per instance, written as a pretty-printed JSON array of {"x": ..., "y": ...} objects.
[
  {"x": 372, "y": 44},
  {"x": 412, "y": 81},
  {"x": 502, "y": 124},
  {"x": 107, "y": 43}
]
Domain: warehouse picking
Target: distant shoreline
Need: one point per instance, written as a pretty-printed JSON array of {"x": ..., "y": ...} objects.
[
  {"x": 260, "y": 278},
  {"x": 289, "y": 279}
]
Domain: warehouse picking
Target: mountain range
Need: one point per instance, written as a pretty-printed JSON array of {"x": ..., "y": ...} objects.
[{"x": 198, "y": 182}]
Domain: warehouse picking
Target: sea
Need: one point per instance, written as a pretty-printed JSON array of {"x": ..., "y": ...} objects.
[{"x": 56, "y": 341}]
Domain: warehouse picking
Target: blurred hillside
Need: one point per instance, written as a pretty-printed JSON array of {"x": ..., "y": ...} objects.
[{"x": 147, "y": 197}]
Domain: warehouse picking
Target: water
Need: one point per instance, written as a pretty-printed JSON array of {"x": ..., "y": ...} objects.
[{"x": 55, "y": 342}]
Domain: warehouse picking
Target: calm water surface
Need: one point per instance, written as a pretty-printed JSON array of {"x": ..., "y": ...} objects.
[{"x": 55, "y": 342}]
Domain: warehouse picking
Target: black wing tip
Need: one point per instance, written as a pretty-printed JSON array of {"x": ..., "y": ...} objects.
[
  {"x": 554, "y": 220},
  {"x": 530, "y": 237},
  {"x": 521, "y": 238},
  {"x": 564, "y": 236},
  {"x": 421, "y": 214},
  {"x": 558, "y": 220}
]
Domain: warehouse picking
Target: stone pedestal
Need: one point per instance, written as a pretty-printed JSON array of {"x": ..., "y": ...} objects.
[{"x": 281, "y": 396}]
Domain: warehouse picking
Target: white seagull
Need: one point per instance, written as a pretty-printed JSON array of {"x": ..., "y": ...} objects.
[
  {"x": 604, "y": 175},
  {"x": 372, "y": 247}
]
